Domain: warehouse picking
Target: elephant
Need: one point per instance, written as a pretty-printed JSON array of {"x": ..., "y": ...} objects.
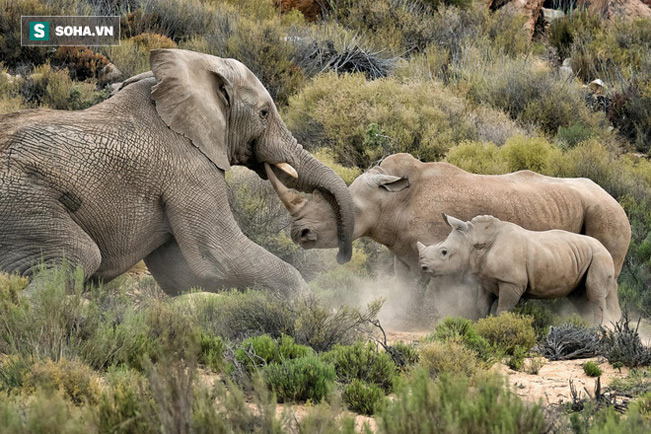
[
  {"x": 142, "y": 176},
  {"x": 395, "y": 203},
  {"x": 510, "y": 262}
]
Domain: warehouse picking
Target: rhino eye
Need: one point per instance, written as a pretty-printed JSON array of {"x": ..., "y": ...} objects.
[{"x": 444, "y": 252}]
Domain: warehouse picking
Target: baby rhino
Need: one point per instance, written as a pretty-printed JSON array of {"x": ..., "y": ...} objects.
[{"x": 510, "y": 262}]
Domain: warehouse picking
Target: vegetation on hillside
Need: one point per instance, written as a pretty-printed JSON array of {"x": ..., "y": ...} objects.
[{"x": 445, "y": 80}]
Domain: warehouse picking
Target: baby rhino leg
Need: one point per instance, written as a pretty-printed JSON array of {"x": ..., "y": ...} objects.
[
  {"x": 601, "y": 288},
  {"x": 508, "y": 297}
]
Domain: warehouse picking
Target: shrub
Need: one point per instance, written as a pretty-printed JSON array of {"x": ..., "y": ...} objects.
[
  {"x": 12, "y": 370},
  {"x": 54, "y": 89},
  {"x": 570, "y": 341},
  {"x": 507, "y": 331},
  {"x": 572, "y": 135},
  {"x": 460, "y": 330},
  {"x": 450, "y": 357},
  {"x": 422, "y": 118},
  {"x": 362, "y": 397},
  {"x": 257, "y": 351},
  {"x": 302, "y": 379},
  {"x": 403, "y": 355},
  {"x": 476, "y": 157},
  {"x": 535, "y": 154},
  {"x": 125, "y": 406},
  {"x": 623, "y": 344},
  {"x": 516, "y": 360},
  {"x": 592, "y": 369},
  {"x": 288, "y": 349},
  {"x": 76, "y": 381},
  {"x": 636, "y": 383},
  {"x": 81, "y": 62},
  {"x": 530, "y": 93},
  {"x": 630, "y": 112},
  {"x": 212, "y": 352},
  {"x": 362, "y": 362},
  {"x": 543, "y": 313},
  {"x": 450, "y": 404}
]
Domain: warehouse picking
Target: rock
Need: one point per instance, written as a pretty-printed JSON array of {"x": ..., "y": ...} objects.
[
  {"x": 626, "y": 9},
  {"x": 529, "y": 8},
  {"x": 110, "y": 73},
  {"x": 552, "y": 14},
  {"x": 566, "y": 68}
]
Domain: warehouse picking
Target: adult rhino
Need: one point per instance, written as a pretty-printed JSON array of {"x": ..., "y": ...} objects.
[
  {"x": 399, "y": 203},
  {"x": 141, "y": 175}
]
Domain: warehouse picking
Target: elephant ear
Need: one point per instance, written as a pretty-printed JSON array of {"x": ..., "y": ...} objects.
[{"x": 193, "y": 97}]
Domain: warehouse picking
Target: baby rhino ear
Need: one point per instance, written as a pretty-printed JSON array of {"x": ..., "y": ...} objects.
[
  {"x": 421, "y": 247},
  {"x": 457, "y": 224}
]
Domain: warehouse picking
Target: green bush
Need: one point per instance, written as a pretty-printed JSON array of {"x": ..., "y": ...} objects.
[
  {"x": 592, "y": 369},
  {"x": 257, "y": 351},
  {"x": 362, "y": 362},
  {"x": 530, "y": 93},
  {"x": 477, "y": 157},
  {"x": 636, "y": 383},
  {"x": 507, "y": 332},
  {"x": 534, "y": 153},
  {"x": 403, "y": 355},
  {"x": 362, "y": 397},
  {"x": 12, "y": 370},
  {"x": 452, "y": 404},
  {"x": 363, "y": 120},
  {"x": 53, "y": 88},
  {"x": 76, "y": 381},
  {"x": 450, "y": 357},
  {"x": 125, "y": 406},
  {"x": 212, "y": 352},
  {"x": 460, "y": 330},
  {"x": 298, "y": 380}
]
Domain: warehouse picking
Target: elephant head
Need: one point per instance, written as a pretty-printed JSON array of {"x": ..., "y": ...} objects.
[
  {"x": 226, "y": 112},
  {"x": 313, "y": 221}
]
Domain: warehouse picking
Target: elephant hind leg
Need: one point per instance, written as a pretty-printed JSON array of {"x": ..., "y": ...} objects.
[{"x": 67, "y": 243}]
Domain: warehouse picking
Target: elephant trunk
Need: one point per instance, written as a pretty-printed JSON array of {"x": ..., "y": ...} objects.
[{"x": 314, "y": 175}]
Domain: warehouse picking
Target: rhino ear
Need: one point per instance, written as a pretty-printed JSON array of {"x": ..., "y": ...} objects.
[
  {"x": 420, "y": 246},
  {"x": 457, "y": 224},
  {"x": 389, "y": 182},
  {"x": 193, "y": 97}
]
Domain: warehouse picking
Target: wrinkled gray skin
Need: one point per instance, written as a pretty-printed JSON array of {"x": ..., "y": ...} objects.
[
  {"x": 510, "y": 262},
  {"x": 400, "y": 202},
  {"x": 141, "y": 175}
]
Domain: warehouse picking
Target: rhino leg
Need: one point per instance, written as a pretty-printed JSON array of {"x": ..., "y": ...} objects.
[
  {"x": 508, "y": 296},
  {"x": 601, "y": 288}
]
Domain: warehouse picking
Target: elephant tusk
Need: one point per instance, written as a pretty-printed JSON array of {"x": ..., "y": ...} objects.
[{"x": 288, "y": 169}]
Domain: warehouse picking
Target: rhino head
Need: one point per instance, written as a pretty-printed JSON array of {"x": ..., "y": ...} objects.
[{"x": 450, "y": 256}]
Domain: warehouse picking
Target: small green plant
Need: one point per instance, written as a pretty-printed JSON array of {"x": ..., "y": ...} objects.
[
  {"x": 516, "y": 360},
  {"x": 449, "y": 357},
  {"x": 362, "y": 397},
  {"x": 592, "y": 369},
  {"x": 508, "y": 332},
  {"x": 455, "y": 403},
  {"x": 403, "y": 355},
  {"x": 76, "y": 381},
  {"x": 299, "y": 380},
  {"x": 363, "y": 362},
  {"x": 212, "y": 352},
  {"x": 257, "y": 351},
  {"x": 461, "y": 330}
]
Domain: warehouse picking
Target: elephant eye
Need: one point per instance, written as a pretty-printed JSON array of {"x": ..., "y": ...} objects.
[{"x": 264, "y": 113}]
